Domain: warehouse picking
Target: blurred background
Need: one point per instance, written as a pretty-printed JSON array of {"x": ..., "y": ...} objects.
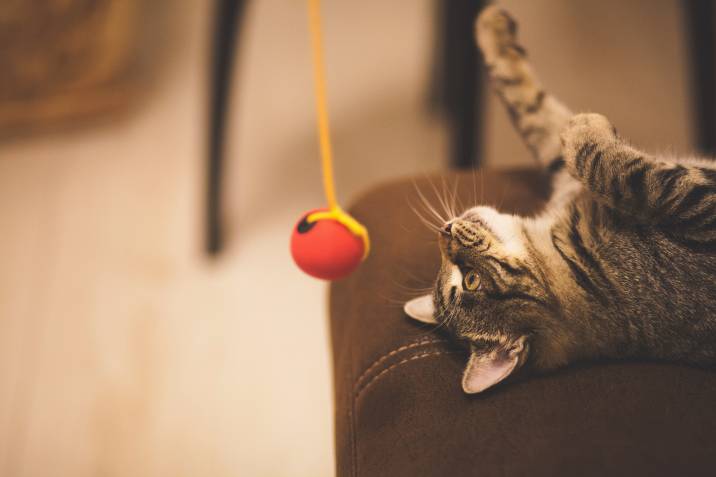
[{"x": 151, "y": 320}]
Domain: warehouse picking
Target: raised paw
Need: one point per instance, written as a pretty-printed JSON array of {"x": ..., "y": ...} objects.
[
  {"x": 496, "y": 33},
  {"x": 584, "y": 134}
]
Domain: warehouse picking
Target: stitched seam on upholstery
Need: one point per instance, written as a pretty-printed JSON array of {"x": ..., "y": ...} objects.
[
  {"x": 393, "y": 353},
  {"x": 360, "y": 391}
]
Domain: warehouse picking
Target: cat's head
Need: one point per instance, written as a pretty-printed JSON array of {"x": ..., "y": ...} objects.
[{"x": 488, "y": 293}]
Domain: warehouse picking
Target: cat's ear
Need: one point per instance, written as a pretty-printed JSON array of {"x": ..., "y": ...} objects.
[
  {"x": 488, "y": 367},
  {"x": 421, "y": 309}
]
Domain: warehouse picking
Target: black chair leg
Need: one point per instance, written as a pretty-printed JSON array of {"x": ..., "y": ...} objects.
[
  {"x": 227, "y": 21},
  {"x": 460, "y": 84},
  {"x": 700, "y": 30}
]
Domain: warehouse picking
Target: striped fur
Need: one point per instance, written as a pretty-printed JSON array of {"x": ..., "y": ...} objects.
[
  {"x": 535, "y": 113},
  {"x": 620, "y": 264}
]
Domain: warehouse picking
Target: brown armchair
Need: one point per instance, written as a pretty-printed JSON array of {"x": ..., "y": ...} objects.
[{"x": 400, "y": 409}]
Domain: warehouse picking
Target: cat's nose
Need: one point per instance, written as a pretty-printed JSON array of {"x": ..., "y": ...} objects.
[{"x": 448, "y": 228}]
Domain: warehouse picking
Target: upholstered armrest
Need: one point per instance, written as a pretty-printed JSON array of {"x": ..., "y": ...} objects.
[{"x": 400, "y": 409}]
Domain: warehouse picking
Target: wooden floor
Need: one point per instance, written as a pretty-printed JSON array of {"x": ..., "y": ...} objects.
[{"x": 124, "y": 352}]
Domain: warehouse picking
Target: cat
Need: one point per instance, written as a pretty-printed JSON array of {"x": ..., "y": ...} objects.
[{"x": 620, "y": 264}]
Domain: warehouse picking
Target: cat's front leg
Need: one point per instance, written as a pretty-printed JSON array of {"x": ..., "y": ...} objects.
[
  {"x": 537, "y": 115},
  {"x": 625, "y": 178},
  {"x": 611, "y": 169},
  {"x": 586, "y": 139}
]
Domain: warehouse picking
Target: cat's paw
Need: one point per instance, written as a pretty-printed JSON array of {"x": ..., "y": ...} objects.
[
  {"x": 496, "y": 33},
  {"x": 586, "y": 131}
]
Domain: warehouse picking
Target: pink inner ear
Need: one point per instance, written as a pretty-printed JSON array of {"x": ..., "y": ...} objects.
[{"x": 486, "y": 370}]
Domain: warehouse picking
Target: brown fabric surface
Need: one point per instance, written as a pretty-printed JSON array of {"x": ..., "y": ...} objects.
[{"x": 400, "y": 409}]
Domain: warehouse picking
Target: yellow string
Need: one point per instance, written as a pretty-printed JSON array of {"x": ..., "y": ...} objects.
[{"x": 324, "y": 137}]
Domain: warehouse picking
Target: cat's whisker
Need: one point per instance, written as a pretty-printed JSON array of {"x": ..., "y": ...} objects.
[
  {"x": 446, "y": 198},
  {"x": 429, "y": 207},
  {"x": 418, "y": 290},
  {"x": 426, "y": 203},
  {"x": 456, "y": 201},
  {"x": 450, "y": 196},
  {"x": 422, "y": 290},
  {"x": 412, "y": 276},
  {"x": 426, "y": 222},
  {"x": 452, "y": 313},
  {"x": 437, "y": 219},
  {"x": 393, "y": 302},
  {"x": 455, "y": 305},
  {"x": 440, "y": 199}
]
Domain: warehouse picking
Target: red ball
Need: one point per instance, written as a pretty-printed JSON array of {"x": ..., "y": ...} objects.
[{"x": 325, "y": 248}]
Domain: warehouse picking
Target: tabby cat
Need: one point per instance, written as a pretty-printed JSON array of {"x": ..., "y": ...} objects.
[{"x": 620, "y": 264}]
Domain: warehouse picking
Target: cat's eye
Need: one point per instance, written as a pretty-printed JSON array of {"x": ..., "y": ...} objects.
[{"x": 471, "y": 281}]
